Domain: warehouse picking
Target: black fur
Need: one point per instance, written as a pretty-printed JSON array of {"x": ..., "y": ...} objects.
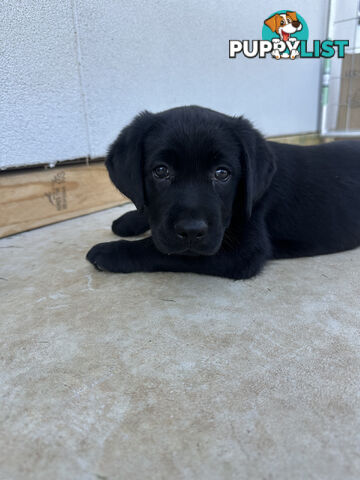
[
  {"x": 130, "y": 224},
  {"x": 280, "y": 201}
]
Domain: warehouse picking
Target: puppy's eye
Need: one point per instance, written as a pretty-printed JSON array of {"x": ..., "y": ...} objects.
[
  {"x": 222, "y": 174},
  {"x": 289, "y": 20},
  {"x": 161, "y": 171},
  {"x": 282, "y": 22}
]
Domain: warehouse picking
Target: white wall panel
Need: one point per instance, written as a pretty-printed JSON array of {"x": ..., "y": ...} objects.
[{"x": 141, "y": 54}]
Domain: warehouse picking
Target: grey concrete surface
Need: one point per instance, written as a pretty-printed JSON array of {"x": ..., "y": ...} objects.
[{"x": 175, "y": 376}]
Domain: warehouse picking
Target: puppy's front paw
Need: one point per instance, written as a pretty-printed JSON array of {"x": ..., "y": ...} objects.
[
  {"x": 276, "y": 54},
  {"x": 130, "y": 224},
  {"x": 109, "y": 256},
  {"x": 101, "y": 256}
]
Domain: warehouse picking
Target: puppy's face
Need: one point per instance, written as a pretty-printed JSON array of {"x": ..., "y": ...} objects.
[
  {"x": 191, "y": 172},
  {"x": 195, "y": 171}
]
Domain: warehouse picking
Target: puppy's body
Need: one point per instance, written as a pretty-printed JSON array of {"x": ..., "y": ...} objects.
[
  {"x": 221, "y": 200},
  {"x": 313, "y": 205}
]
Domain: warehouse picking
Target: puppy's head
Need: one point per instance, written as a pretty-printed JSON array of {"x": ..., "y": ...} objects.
[
  {"x": 195, "y": 171},
  {"x": 284, "y": 24}
]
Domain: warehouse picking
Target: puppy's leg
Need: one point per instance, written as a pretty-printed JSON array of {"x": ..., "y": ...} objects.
[
  {"x": 130, "y": 224},
  {"x": 142, "y": 256}
]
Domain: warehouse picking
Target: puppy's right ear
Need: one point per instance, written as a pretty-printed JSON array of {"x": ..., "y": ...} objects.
[
  {"x": 271, "y": 22},
  {"x": 257, "y": 160},
  {"x": 125, "y": 158}
]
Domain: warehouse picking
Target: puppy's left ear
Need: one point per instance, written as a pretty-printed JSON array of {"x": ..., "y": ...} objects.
[
  {"x": 258, "y": 163},
  {"x": 292, "y": 15},
  {"x": 125, "y": 158}
]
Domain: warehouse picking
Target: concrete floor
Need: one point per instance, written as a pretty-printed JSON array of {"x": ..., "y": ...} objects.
[{"x": 175, "y": 376}]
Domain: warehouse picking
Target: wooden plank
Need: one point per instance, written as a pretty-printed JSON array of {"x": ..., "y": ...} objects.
[
  {"x": 302, "y": 139},
  {"x": 35, "y": 198}
]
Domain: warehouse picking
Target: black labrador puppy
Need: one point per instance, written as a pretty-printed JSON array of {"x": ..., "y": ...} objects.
[{"x": 221, "y": 200}]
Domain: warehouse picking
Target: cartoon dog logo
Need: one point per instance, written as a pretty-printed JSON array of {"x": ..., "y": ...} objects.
[{"x": 284, "y": 24}]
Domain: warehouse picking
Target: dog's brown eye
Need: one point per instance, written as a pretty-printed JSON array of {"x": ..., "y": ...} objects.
[
  {"x": 282, "y": 22},
  {"x": 161, "y": 171},
  {"x": 222, "y": 174}
]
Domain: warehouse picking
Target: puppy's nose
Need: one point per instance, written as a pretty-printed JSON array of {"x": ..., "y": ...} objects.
[
  {"x": 191, "y": 229},
  {"x": 295, "y": 23}
]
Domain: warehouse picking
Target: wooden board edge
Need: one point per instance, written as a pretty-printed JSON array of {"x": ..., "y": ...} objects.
[
  {"x": 35, "y": 198},
  {"x": 312, "y": 138}
]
